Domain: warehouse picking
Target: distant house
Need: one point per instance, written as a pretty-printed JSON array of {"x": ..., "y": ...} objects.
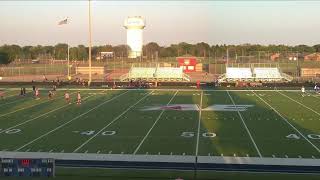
[
  {"x": 275, "y": 57},
  {"x": 292, "y": 56},
  {"x": 312, "y": 57},
  {"x": 104, "y": 55}
]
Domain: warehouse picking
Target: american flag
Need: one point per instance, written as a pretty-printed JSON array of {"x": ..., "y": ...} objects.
[{"x": 65, "y": 21}]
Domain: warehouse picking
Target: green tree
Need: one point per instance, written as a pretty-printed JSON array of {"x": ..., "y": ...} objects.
[
  {"x": 4, "y": 58},
  {"x": 61, "y": 51},
  {"x": 83, "y": 52}
]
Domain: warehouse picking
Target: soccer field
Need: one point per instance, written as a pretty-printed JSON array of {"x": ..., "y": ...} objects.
[{"x": 241, "y": 123}]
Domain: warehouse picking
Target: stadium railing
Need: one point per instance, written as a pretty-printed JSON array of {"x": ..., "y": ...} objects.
[{"x": 174, "y": 162}]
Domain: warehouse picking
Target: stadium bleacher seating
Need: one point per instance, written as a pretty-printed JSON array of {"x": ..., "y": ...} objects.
[
  {"x": 155, "y": 73},
  {"x": 254, "y": 74},
  {"x": 267, "y": 73},
  {"x": 139, "y": 72},
  {"x": 238, "y": 73}
]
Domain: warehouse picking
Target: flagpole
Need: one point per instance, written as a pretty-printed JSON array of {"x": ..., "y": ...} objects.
[
  {"x": 68, "y": 62},
  {"x": 90, "y": 78}
]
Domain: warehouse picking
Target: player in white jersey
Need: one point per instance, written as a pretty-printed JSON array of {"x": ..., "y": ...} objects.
[
  {"x": 37, "y": 93},
  {"x": 78, "y": 98},
  {"x": 67, "y": 97},
  {"x": 303, "y": 91}
]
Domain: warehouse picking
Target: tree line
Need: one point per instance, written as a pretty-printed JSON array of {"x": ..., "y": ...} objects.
[{"x": 152, "y": 50}]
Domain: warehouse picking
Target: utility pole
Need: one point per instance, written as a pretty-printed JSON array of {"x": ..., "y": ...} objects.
[
  {"x": 69, "y": 62},
  {"x": 90, "y": 76},
  {"x": 227, "y": 56}
]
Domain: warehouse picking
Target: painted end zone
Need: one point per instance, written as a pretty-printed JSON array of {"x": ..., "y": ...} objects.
[{"x": 169, "y": 162}]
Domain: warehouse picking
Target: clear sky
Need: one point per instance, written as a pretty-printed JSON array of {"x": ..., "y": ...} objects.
[{"x": 167, "y": 22}]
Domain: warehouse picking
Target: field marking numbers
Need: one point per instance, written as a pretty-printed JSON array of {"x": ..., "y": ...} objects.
[
  {"x": 299, "y": 103},
  {"x": 32, "y": 119},
  {"x": 115, "y": 119},
  {"x": 293, "y": 136},
  {"x": 310, "y": 136},
  {"x": 283, "y": 118},
  {"x": 245, "y": 125},
  {"x": 92, "y": 132},
  {"x": 314, "y": 136},
  {"x": 73, "y": 119},
  {"x": 11, "y": 131},
  {"x": 199, "y": 124},
  {"x": 153, "y": 125},
  {"x": 205, "y": 134},
  {"x": 187, "y": 134}
]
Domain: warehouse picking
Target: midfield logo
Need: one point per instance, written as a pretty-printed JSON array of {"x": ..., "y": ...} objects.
[
  {"x": 194, "y": 107},
  {"x": 227, "y": 107}
]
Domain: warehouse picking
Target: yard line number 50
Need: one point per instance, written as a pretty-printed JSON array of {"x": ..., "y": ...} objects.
[{"x": 192, "y": 134}]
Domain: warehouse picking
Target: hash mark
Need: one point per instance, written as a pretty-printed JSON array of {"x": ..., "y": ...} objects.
[
  {"x": 110, "y": 152},
  {"x": 50, "y": 150}
]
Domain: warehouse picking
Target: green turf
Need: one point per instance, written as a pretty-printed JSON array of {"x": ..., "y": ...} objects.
[
  {"x": 124, "y": 128},
  {"x": 113, "y": 121}
]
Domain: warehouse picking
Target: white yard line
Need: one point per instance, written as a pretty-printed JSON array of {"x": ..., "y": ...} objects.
[
  {"x": 31, "y": 106},
  {"x": 73, "y": 119},
  {"x": 288, "y": 122},
  {"x": 32, "y": 119},
  {"x": 299, "y": 103},
  {"x": 199, "y": 124},
  {"x": 172, "y": 89},
  {"x": 114, "y": 120},
  {"x": 154, "y": 124},
  {"x": 21, "y": 98},
  {"x": 245, "y": 125}
]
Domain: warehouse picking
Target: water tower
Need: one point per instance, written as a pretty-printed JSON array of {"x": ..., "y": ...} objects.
[{"x": 134, "y": 26}]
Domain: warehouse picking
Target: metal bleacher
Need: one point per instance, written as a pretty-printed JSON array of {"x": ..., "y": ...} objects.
[
  {"x": 252, "y": 74},
  {"x": 155, "y": 74}
]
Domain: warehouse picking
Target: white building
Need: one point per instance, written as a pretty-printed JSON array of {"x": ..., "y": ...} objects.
[{"x": 134, "y": 26}]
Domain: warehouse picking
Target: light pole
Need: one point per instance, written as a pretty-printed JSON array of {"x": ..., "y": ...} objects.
[
  {"x": 90, "y": 76},
  {"x": 69, "y": 62}
]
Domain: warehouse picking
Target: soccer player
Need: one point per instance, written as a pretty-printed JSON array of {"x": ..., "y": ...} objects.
[
  {"x": 21, "y": 92},
  {"x": 37, "y": 93},
  {"x": 24, "y": 91},
  {"x": 1, "y": 94},
  {"x": 303, "y": 91},
  {"x": 78, "y": 98},
  {"x": 50, "y": 94},
  {"x": 67, "y": 97}
]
